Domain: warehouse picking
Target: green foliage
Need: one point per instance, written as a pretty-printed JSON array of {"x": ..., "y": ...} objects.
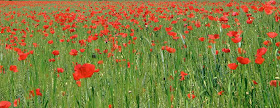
[{"x": 153, "y": 79}]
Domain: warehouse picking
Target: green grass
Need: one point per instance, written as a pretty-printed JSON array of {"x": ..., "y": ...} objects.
[{"x": 148, "y": 81}]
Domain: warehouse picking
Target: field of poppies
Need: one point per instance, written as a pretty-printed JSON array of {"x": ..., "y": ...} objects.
[{"x": 139, "y": 54}]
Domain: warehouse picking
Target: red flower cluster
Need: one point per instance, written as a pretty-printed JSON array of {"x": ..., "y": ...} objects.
[
  {"x": 183, "y": 74},
  {"x": 168, "y": 49},
  {"x": 260, "y": 53}
]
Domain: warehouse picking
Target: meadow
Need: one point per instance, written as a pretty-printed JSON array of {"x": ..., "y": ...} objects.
[{"x": 146, "y": 54}]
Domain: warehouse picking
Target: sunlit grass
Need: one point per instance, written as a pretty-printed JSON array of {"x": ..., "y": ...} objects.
[{"x": 136, "y": 73}]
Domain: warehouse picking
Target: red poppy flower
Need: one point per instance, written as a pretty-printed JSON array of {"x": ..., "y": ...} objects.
[
  {"x": 255, "y": 82},
  {"x": 207, "y": 25},
  {"x": 277, "y": 44},
  {"x": 46, "y": 26},
  {"x": 13, "y": 68},
  {"x": 268, "y": 11},
  {"x": 31, "y": 52},
  {"x": 233, "y": 33},
  {"x": 84, "y": 71},
  {"x": 240, "y": 50},
  {"x": 201, "y": 39},
  {"x": 173, "y": 34},
  {"x": 236, "y": 39},
  {"x": 232, "y": 66},
  {"x": 272, "y": 34},
  {"x": 243, "y": 60},
  {"x": 197, "y": 24},
  {"x": 74, "y": 36},
  {"x": 261, "y": 51},
  {"x": 134, "y": 38},
  {"x": 55, "y": 52},
  {"x": 31, "y": 93},
  {"x": 273, "y": 83},
  {"x": 168, "y": 29},
  {"x": 71, "y": 30},
  {"x": 61, "y": 40},
  {"x": 52, "y": 60},
  {"x": 100, "y": 62},
  {"x": 175, "y": 38},
  {"x": 60, "y": 70},
  {"x": 226, "y": 50},
  {"x": 223, "y": 19},
  {"x": 189, "y": 27},
  {"x": 174, "y": 22},
  {"x": 220, "y": 93},
  {"x": 170, "y": 50},
  {"x": 2, "y": 69},
  {"x": 82, "y": 50},
  {"x": 163, "y": 47},
  {"x": 186, "y": 32},
  {"x": 128, "y": 65},
  {"x": 183, "y": 74},
  {"x": 259, "y": 60},
  {"x": 35, "y": 45},
  {"x": 22, "y": 56},
  {"x": 267, "y": 42},
  {"x": 73, "y": 52},
  {"x": 157, "y": 28},
  {"x": 38, "y": 93},
  {"x": 191, "y": 96},
  {"x": 5, "y": 104},
  {"x": 16, "y": 102},
  {"x": 50, "y": 42},
  {"x": 79, "y": 83},
  {"x": 215, "y": 36},
  {"x": 235, "y": 13},
  {"x": 249, "y": 21},
  {"x": 273, "y": 2}
]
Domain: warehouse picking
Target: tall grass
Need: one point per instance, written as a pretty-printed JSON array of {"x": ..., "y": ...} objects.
[{"x": 153, "y": 78}]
